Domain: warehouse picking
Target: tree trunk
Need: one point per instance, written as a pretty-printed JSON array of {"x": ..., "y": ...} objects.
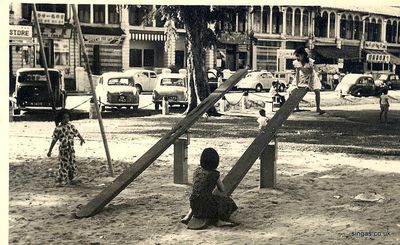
[{"x": 195, "y": 31}]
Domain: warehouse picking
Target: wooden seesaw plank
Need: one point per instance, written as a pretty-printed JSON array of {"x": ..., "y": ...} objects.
[
  {"x": 123, "y": 180},
  {"x": 242, "y": 166}
]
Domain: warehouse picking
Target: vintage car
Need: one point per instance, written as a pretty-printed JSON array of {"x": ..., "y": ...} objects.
[
  {"x": 392, "y": 81},
  {"x": 31, "y": 92},
  {"x": 117, "y": 89},
  {"x": 358, "y": 85},
  {"x": 145, "y": 80},
  {"x": 212, "y": 79},
  {"x": 172, "y": 87},
  {"x": 257, "y": 80},
  {"x": 283, "y": 78}
]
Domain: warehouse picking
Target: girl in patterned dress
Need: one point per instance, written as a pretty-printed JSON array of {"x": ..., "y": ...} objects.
[
  {"x": 65, "y": 133},
  {"x": 203, "y": 203},
  {"x": 306, "y": 76}
]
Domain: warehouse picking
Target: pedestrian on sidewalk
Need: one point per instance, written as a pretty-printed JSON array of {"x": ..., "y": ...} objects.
[
  {"x": 203, "y": 203},
  {"x": 384, "y": 104},
  {"x": 65, "y": 133},
  {"x": 306, "y": 76}
]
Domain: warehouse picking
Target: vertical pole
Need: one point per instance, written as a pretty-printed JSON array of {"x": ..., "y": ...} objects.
[
  {"x": 89, "y": 72},
  {"x": 244, "y": 100},
  {"x": 268, "y": 165},
  {"x": 46, "y": 70},
  {"x": 180, "y": 161}
]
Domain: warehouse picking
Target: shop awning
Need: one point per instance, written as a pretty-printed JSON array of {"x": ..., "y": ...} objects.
[
  {"x": 332, "y": 52},
  {"x": 394, "y": 59},
  {"x": 109, "y": 31}
]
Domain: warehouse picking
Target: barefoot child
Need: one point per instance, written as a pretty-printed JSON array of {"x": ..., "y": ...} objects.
[
  {"x": 262, "y": 120},
  {"x": 203, "y": 203},
  {"x": 65, "y": 133},
  {"x": 384, "y": 103}
]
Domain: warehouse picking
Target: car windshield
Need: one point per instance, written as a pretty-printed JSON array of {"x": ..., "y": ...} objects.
[
  {"x": 383, "y": 77},
  {"x": 251, "y": 75},
  {"x": 172, "y": 82},
  {"x": 38, "y": 77},
  {"x": 119, "y": 81}
]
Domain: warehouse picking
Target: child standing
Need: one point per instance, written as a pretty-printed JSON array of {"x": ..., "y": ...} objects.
[
  {"x": 65, "y": 133},
  {"x": 203, "y": 203},
  {"x": 384, "y": 103},
  {"x": 306, "y": 76},
  {"x": 262, "y": 120}
]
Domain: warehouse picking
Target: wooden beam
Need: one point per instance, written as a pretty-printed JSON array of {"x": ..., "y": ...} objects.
[
  {"x": 92, "y": 88},
  {"x": 268, "y": 167},
  {"x": 180, "y": 161},
  {"x": 242, "y": 166},
  {"x": 123, "y": 180}
]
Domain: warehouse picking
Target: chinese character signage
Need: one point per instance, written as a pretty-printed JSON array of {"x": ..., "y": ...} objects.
[
  {"x": 53, "y": 18},
  {"x": 99, "y": 39},
  {"x": 55, "y": 32},
  {"x": 375, "y": 45},
  {"x": 286, "y": 53},
  {"x": 17, "y": 31},
  {"x": 378, "y": 58}
]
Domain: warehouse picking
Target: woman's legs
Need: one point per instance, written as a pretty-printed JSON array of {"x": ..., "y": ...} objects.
[{"x": 318, "y": 101}]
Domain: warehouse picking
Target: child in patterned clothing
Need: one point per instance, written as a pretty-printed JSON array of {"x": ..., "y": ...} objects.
[
  {"x": 65, "y": 133},
  {"x": 384, "y": 104},
  {"x": 203, "y": 203}
]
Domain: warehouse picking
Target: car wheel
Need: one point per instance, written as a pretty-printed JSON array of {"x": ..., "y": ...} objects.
[
  {"x": 358, "y": 94},
  {"x": 259, "y": 88},
  {"x": 157, "y": 106},
  {"x": 101, "y": 106},
  {"x": 138, "y": 88},
  {"x": 390, "y": 86},
  {"x": 135, "y": 107}
]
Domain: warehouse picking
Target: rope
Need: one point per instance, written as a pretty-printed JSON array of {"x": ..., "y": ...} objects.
[
  {"x": 268, "y": 97},
  {"x": 146, "y": 106},
  {"x": 234, "y": 104},
  {"x": 81, "y": 103}
]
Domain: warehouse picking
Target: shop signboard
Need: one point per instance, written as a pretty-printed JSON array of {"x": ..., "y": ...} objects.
[
  {"x": 286, "y": 53},
  {"x": 378, "y": 58},
  {"x": 103, "y": 39},
  {"x": 18, "y": 31},
  {"x": 53, "y": 18}
]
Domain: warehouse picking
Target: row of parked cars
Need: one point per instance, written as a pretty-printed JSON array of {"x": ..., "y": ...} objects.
[{"x": 122, "y": 89}]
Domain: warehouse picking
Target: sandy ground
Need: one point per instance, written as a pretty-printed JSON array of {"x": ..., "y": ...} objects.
[{"x": 323, "y": 163}]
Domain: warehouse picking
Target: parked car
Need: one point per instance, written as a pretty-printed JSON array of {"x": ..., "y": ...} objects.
[
  {"x": 117, "y": 89},
  {"x": 145, "y": 80},
  {"x": 173, "y": 87},
  {"x": 358, "y": 85},
  {"x": 283, "y": 79},
  {"x": 257, "y": 80},
  {"x": 392, "y": 81},
  {"x": 212, "y": 79},
  {"x": 31, "y": 92}
]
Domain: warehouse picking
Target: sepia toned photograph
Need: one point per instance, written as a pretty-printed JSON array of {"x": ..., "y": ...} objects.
[{"x": 139, "y": 122}]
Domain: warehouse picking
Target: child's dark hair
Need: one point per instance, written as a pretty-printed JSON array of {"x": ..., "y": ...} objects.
[
  {"x": 302, "y": 51},
  {"x": 209, "y": 159},
  {"x": 262, "y": 112},
  {"x": 385, "y": 91},
  {"x": 60, "y": 115}
]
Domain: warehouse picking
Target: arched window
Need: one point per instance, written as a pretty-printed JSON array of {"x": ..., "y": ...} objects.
[
  {"x": 332, "y": 19},
  {"x": 389, "y": 29},
  {"x": 367, "y": 30},
  {"x": 297, "y": 22},
  {"x": 306, "y": 17},
  {"x": 257, "y": 19},
  {"x": 378, "y": 31},
  {"x": 357, "y": 28},
  {"x": 394, "y": 33},
  {"x": 343, "y": 26},
  {"x": 289, "y": 21},
  {"x": 349, "y": 27},
  {"x": 265, "y": 18},
  {"x": 276, "y": 20},
  {"x": 321, "y": 25}
]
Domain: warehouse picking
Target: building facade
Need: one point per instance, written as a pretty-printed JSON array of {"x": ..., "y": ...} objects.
[{"x": 121, "y": 37}]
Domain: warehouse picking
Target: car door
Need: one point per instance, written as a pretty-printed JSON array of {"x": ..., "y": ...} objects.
[
  {"x": 370, "y": 86},
  {"x": 152, "y": 80}
]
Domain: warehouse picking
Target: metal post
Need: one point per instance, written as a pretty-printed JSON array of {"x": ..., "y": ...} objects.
[
  {"x": 46, "y": 70},
  {"x": 268, "y": 165},
  {"x": 89, "y": 72},
  {"x": 180, "y": 161},
  {"x": 244, "y": 100}
]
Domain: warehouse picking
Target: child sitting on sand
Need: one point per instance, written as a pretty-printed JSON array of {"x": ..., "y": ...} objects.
[
  {"x": 65, "y": 133},
  {"x": 262, "y": 120},
  {"x": 203, "y": 203}
]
